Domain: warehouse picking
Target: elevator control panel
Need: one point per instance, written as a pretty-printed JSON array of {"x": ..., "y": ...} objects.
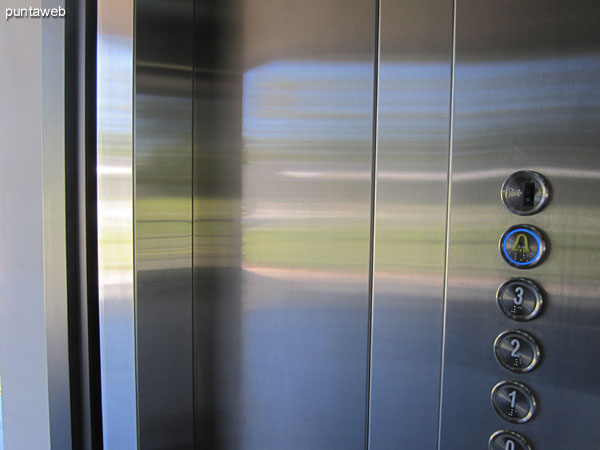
[
  {"x": 517, "y": 351},
  {"x": 525, "y": 192},
  {"x": 520, "y": 299},
  {"x": 508, "y": 440},
  {"x": 523, "y": 246},
  {"x": 513, "y": 401}
]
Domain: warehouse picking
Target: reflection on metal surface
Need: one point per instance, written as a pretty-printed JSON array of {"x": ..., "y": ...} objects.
[
  {"x": 217, "y": 157},
  {"x": 413, "y": 153},
  {"x": 267, "y": 215},
  {"x": 54, "y": 231},
  {"x": 304, "y": 115},
  {"x": 522, "y": 101},
  {"x": 281, "y": 262},
  {"x": 115, "y": 222},
  {"x": 163, "y": 223}
]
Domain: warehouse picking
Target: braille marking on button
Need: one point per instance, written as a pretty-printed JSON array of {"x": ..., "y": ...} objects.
[
  {"x": 520, "y": 299},
  {"x": 517, "y": 351},
  {"x": 523, "y": 246},
  {"x": 513, "y": 401}
]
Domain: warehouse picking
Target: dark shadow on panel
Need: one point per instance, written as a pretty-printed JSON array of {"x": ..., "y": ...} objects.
[{"x": 217, "y": 220}]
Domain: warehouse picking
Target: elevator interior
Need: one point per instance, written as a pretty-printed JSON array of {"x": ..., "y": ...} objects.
[{"x": 299, "y": 220}]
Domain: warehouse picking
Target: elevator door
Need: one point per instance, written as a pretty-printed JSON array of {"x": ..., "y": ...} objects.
[{"x": 320, "y": 256}]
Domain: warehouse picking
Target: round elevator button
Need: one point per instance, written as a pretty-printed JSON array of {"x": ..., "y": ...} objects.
[
  {"x": 523, "y": 246},
  {"x": 517, "y": 351},
  {"x": 513, "y": 401},
  {"x": 525, "y": 192},
  {"x": 508, "y": 440},
  {"x": 520, "y": 299}
]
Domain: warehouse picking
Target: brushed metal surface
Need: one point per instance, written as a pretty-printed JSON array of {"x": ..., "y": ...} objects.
[
  {"x": 217, "y": 159},
  {"x": 282, "y": 164},
  {"x": 410, "y": 229},
  {"x": 54, "y": 222},
  {"x": 163, "y": 222},
  {"x": 527, "y": 96},
  {"x": 115, "y": 222}
]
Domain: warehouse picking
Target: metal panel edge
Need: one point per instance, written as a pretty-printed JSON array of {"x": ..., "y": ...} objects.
[
  {"x": 115, "y": 177},
  {"x": 411, "y": 216},
  {"x": 53, "y": 205}
]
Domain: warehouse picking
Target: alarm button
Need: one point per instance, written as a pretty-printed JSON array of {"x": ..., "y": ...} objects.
[{"x": 523, "y": 246}]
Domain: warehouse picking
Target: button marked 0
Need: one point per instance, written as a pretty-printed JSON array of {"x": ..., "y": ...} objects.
[{"x": 508, "y": 440}]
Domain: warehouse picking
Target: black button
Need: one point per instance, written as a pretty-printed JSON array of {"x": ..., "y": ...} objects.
[
  {"x": 528, "y": 194},
  {"x": 525, "y": 192}
]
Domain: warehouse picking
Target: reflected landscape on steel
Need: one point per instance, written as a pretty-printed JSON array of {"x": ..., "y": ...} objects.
[
  {"x": 115, "y": 223},
  {"x": 269, "y": 211},
  {"x": 410, "y": 222},
  {"x": 281, "y": 260},
  {"x": 305, "y": 253},
  {"x": 163, "y": 223}
]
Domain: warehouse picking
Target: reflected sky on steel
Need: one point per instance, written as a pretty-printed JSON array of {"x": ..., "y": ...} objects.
[{"x": 300, "y": 85}]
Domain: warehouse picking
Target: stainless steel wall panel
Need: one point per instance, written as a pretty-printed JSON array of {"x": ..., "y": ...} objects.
[
  {"x": 527, "y": 96},
  {"x": 282, "y": 163},
  {"x": 163, "y": 222},
  {"x": 217, "y": 154},
  {"x": 410, "y": 229},
  {"x": 115, "y": 222}
]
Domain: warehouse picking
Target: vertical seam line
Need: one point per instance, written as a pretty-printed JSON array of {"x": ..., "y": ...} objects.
[
  {"x": 448, "y": 200},
  {"x": 193, "y": 237},
  {"x": 375, "y": 143},
  {"x": 134, "y": 219}
]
